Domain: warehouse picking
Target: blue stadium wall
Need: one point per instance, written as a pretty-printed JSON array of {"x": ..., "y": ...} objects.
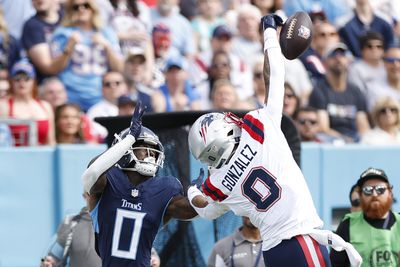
[{"x": 38, "y": 186}]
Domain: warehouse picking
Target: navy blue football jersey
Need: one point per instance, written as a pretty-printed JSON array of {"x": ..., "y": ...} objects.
[{"x": 127, "y": 217}]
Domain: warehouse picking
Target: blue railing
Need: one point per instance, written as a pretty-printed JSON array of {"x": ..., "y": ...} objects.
[{"x": 38, "y": 186}]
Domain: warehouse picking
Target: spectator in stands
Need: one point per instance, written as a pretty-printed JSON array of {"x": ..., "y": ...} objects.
[
  {"x": 36, "y": 36},
  {"x": 224, "y": 97},
  {"x": 9, "y": 45},
  {"x": 131, "y": 21},
  {"x": 126, "y": 105},
  {"x": 246, "y": 43},
  {"x": 370, "y": 66},
  {"x": 178, "y": 93},
  {"x": 341, "y": 106},
  {"x": 307, "y": 123},
  {"x": 385, "y": 116},
  {"x": 374, "y": 232},
  {"x": 291, "y": 102},
  {"x": 389, "y": 86},
  {"x": 161, "y": 36},
  {"x": 113, "y": 86},
  {"x": 75, "y": 242},
  {"x": 134, "y": 69},
  {"x": 53, "y": 91},
  {"x": 354, "y": 197},
  {"x": 363, "y": 20},
  {"x": 324, "y": 36},
  {"x": 4, "y": 88},
  {"x": 69, "y": 125},
  {"x": 182, "y": 36},
  {"x": 84, "y": 51},
  {"x": 240, "y": 249},
  {"x": 23, "y": 104},
  {"x": 240, "y": 73},
  {"x": 206, "y": 21}
]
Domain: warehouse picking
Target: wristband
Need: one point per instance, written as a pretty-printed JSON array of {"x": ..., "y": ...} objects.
[{"x": 193, "y": 192}]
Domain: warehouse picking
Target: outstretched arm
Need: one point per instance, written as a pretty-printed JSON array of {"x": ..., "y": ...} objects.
[
  {"x": 274, "y": 69},
  {"x": 114, "y": 154},
  {"x": 179, "y": 208}
]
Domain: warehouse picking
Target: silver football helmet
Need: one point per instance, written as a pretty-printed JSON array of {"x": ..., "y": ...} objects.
[
  {"x": 152, "y": 161},
  {"x": 213, "y": 136}
]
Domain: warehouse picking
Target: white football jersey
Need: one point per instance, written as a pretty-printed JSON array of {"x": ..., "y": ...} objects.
[{"x": 262, "y": 180}]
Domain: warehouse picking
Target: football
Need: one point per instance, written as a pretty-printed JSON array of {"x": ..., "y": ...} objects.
[{"x": 296, "y": 35}]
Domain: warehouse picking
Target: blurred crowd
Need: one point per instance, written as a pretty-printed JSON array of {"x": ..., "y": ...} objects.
[{"x": 65, "y": 62}]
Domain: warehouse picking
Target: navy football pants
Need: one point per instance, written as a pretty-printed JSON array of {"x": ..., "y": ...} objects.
[{"x": 299, "y": 251}]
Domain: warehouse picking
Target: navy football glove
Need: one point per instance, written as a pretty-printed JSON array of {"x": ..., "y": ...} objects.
[
  {"x": 199, "y": 180},
  {"x": 136, "y": 122},
  {"x": 271, "y": 21}
]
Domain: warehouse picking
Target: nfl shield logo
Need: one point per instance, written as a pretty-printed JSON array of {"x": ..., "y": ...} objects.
[
  {"x": 304, "y": 32},
  {"x": 135, "y": 192}
]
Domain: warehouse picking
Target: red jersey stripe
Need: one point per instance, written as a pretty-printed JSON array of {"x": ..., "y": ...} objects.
[{"x": 254, "y": 127}]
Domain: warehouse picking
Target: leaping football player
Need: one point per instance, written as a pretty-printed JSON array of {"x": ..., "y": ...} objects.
[
  {"x": 128, "y": 201},
  {"x": 253, "y": 173}
]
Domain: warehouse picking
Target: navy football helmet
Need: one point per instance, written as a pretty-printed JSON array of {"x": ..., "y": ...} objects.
[{"x": 155, "y": 156}]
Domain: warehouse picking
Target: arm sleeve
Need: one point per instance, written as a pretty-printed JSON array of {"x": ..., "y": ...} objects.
[
  {"x": 276, "y": 75},
  {"x": 105, "y": 161}
]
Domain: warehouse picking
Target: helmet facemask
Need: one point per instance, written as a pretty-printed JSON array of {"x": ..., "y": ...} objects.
[{"x": 151, "y": 146}]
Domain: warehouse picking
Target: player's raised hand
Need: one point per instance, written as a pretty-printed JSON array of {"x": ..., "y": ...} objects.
[
  {"x": 271, "y": 21},
  {"x": 136, "y": 122},
  {"x": 199, "y": 180}
]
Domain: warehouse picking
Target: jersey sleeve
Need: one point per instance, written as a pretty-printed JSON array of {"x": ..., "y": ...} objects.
[
  {"x": 175, "y": 186},
  {"x": 32, "y": 34},
  {"x": 277, "y": 75}
]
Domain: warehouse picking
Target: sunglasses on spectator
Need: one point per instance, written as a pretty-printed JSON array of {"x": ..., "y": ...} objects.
[
  {"x": 307, "y": 121},
  {"x": 386, "y": 110},
  {"x": 391, "y": 59},
  {"x": 111, "y": 83},
  {"x": 380, "y": 189},
  {"x": 85, "y": 5},
  {"x": 21, "y": 77}
]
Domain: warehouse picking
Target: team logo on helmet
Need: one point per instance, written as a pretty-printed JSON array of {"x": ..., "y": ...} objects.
[{"x": 204, "y": 126}]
